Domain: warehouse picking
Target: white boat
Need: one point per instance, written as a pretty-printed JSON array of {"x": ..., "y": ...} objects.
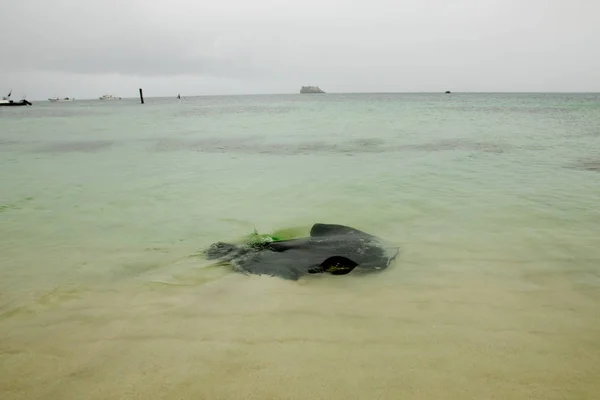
[
  {"x": 109, "y": 97},
  {"x": 54, "y": 99}
]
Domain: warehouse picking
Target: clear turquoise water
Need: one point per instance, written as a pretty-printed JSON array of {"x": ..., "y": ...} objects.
[{"x": 493, "y": 199}]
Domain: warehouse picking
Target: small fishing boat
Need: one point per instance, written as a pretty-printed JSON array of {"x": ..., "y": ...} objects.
[
  {"x": 55, "y": 99},
  {"x": 7, "y": 102},
  {"x": 109, "y": 97}
]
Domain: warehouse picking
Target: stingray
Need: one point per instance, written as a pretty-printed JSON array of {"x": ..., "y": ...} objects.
[{"x": 330, "y": 248}]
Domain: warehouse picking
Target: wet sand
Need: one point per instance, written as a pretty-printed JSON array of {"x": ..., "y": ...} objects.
[{"x": 426, "y": 328}]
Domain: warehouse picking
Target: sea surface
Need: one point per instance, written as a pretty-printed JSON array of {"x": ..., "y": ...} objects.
[{"x": 493, "y": 199}]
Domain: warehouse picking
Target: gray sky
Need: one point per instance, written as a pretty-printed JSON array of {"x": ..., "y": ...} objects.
[{"x": 85, "y": 48}]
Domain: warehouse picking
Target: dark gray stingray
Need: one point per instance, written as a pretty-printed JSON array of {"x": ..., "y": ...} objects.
[{"x": 336, "y": 249}]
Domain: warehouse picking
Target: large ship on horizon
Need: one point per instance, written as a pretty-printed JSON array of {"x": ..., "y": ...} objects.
[{"x": 311, "y": 89}]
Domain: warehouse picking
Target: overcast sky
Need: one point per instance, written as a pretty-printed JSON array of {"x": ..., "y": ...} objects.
[{"x": 85, "y": 48}]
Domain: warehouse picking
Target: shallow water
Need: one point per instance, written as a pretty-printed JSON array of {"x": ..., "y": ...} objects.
[{"x": 493, "y": 199}]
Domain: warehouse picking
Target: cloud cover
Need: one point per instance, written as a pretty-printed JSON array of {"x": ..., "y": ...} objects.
[{"x": 90, "y": 47}]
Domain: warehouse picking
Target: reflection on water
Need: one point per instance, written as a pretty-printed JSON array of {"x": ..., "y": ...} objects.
[{"x": 495, "y": 294}]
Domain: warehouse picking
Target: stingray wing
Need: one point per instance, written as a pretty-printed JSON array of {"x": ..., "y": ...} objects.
[{"x": 325, "y": 230}]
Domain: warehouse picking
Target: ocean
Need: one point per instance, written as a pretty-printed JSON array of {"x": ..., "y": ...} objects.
[{"x": 493, "y": 199}]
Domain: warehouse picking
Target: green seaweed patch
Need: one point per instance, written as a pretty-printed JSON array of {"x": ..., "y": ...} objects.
[
  {"x": 258, "y": 240},
  {"x": 291, "y": 233}
]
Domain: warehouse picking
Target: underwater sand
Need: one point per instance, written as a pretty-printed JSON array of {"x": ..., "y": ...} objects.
[{"x": 493, "y": 199}]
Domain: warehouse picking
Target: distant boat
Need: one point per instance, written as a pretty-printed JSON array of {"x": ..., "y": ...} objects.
[
  {"x": 448, "y": 92},
  {"x": 311, "y": 89},
  {"x": 7, "y": 102},
  {"x": 179, "y": 96},
  {"x": 55, "y": 99},
  {"x": 109, "y": 97}
]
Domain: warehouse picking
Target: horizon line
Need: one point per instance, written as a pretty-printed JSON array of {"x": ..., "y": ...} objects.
[{"x": 335, "y": 93}]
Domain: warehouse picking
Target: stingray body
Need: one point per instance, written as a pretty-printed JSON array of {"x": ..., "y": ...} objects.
[{"x": 330, "y": 248}]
